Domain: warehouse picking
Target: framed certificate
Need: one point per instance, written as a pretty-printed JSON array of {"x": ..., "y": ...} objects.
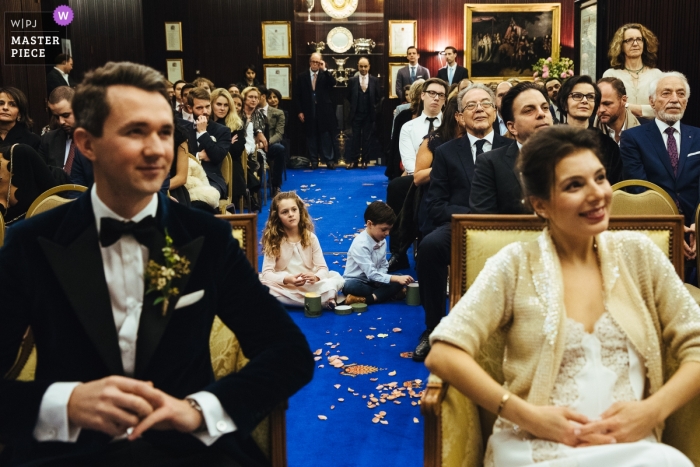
[
  {"x": 175, "y": 70},
  {"x": 402, "y": 35},
  {"x": 279, "y": 77},
  {"x": 173, "y": 36},
  {"x": 393, "y": 71},
  {"x": 277, "y": 39}
]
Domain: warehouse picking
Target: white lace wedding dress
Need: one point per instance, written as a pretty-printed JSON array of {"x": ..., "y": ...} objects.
[{"x": 597, "y": 370}]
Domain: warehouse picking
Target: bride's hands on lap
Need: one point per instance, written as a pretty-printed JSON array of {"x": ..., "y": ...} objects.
[
  {"x": 559, "y": 424},
  {"x": 623, "y": 422}
]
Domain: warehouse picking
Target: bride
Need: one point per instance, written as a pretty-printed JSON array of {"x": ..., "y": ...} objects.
[{"x": 586, "y": 313}]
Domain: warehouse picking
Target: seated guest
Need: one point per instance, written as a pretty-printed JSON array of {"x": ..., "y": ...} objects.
[
  {"x": 294, "y": 264},
  {"x": 499, "y": 124},
  {"x": 185, "y": 111},
  {"x": 464, "y": 84},
  {"x": 553, "y": 86},
  {"x": 577, "y": 303},
  {"x": 224, "y": 112},
  {"x": 254, "y": 124},
  {"x": 23, "y": 177},
  {"x": 496, "y": 186},
  {"x": 366, "y": 278},
  {"x": 207, "y": 140},
  {"x": 124, "y": 373},
  {"x": 273, "y": 100},
  {"x": 203, "y": 82},
  {"x": 57, "y": 146},
  {"x": 407, "y": 103},
  {"x": 15, "y": 124},
  {"x": 249, "y": 78},
  {"x": 177, "y": 95},
  {"x": 60, "y": 73},
  {"x": 237, "y": 103},
  {"x": 578, "y": 101},
  {"x": 179, "y": 168},
  {"x": 450, "y": 185},
  {"x": 665, "y": 151},
  {"x": 614, "y": 116},
  {"x": 233, "y": 90},
  {"x": 274, "y": 132}
]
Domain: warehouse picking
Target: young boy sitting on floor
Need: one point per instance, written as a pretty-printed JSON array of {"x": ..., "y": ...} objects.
[{"x": 366, "y": 278}]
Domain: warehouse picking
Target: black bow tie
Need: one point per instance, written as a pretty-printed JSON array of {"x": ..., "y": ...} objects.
[{"x": 144, "y": 231}]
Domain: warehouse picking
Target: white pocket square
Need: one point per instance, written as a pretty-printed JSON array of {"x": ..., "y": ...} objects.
[
  {"x": 189, "y": 299},
  {"x": 213, "y": 139},
  {"x": 693, "y": 154}
]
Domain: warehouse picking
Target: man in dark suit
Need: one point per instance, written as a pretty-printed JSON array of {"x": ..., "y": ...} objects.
[
  {"x": 452, "y": 72},
  {"x": 60, "y": 73},
  {"x": 411, "y": 72},
  {"x": 499, "y": 125},
  {"x": 57, "y": 146},
  {"x": 667, "y": 152},
  {"x": 206, "y": 139},
  {"x": 364, "y": 96},
  {"x": 121, "y": 378},
  {"x": 450, "y": 186},
  {"x": 553, "y": 86},
  {"x": 496, "y": 185},
  {"x": 314, "y": 107}
]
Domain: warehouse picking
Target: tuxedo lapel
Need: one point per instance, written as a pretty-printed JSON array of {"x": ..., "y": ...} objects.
[
  {"x": 465, "y": 157},
  {"x": 686, "y": 141},
  {"x": 510, "y": 156},
  {"x": 79, "y": 270},
  {"x": 657, "y": 143},
  {"x": 152, "y": 324}
]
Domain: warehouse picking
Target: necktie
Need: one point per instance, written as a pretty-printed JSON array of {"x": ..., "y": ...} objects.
[
  {"x": 111, "y": 230},
  {"x": 313, "y": 81},
  {"x": 431, "y": 127},
  {"x": 364, "y": 83},
  {"x": 450, "y": 73},
  {"x": 672, "y": 150},
  {"x": 71, "y": 156},
  {"x": 480, "y": 146},
  {"x": 413, "y": 74}
]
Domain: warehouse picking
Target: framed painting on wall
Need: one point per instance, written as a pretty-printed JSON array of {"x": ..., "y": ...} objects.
[
  {"x": 505, "y": 40},
  {"x": 402, "y": 35},
  {"x": 279, "y": 77},
  {"x": 393, "y": 71},
  {"x": 277, "y": 39},
  {"x": 175, "y": 69},
  {"x": 173, "y": 36}
]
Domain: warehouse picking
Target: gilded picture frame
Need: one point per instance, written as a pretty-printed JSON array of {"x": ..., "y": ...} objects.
[
  {"x": 402, "y": 35},
  {"x": 277, "y": 39},
  {"x": 503, "y": 41},
  {"x": 393, "y": 71},
  {"x": 279, "y": 77},
  {"x": 173, "y": 36},
  {"x": 175, "y": 69}
]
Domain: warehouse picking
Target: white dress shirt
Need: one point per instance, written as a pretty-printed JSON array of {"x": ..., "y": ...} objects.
[
  {"x": 65, "y": 76},
  {"x": 612, "y": 133},
  {"x": 367, "y": 260},
  {"x": 676, "y": 134},
  {"x": 124, "y": 263},
  {"x": 487, "y": 146},
  {"x": 187, "y": 116},
  {"x": 503, "y": 128},
  {"x": 411, "y": 137}
]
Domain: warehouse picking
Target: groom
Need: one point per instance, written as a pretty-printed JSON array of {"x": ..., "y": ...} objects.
[{"x": 121, "y": 378}]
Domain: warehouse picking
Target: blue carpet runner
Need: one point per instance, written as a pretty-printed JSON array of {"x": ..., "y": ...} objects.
[{"x": 364, "y": 414}]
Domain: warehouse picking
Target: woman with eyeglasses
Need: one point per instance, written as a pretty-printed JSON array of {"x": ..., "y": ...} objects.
[
  {"x": 578, "y": 101},
  {"x": 633, "y": 59}
]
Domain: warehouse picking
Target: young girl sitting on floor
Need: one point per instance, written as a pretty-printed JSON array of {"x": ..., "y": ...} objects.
[{"x": 294, "y": 263}]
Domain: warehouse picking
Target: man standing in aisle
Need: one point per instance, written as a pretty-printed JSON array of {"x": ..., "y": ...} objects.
[
  {"x": 452, "y": 72},
  {"x": 411, "y": 72},
  {"x": 364, "y": 97}
]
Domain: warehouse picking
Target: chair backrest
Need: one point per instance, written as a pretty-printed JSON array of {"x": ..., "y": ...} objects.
[
  {"x": 226, "y": 171},
  {"x": 654, "y": 200},
  {"x": 50, "y": 199},
  {"x": 475, "y": 238},
  {"x": 2, "y": 230}
]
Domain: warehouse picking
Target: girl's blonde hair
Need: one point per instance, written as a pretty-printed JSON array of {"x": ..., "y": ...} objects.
[
  {"x": 273, "y": 234},
  {"x": 233, "y": 120}
]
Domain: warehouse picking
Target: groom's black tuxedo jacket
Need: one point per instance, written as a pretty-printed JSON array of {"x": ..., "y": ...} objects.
[{"x": 52, "y": 279}]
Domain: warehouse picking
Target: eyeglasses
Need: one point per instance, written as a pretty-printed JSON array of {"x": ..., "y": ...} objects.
[
  {"x": 434, "y": 94},
  {"x": 473, "y": 105},
  {"x": 577, "y": 96},
  {"x": 634, "y": 39}
]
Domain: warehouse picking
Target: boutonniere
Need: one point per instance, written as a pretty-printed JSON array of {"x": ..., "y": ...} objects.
[{"x": 159, "y": 277}]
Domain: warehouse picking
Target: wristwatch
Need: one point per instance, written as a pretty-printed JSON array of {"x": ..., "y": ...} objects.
[{"x": 195, "y": 405}]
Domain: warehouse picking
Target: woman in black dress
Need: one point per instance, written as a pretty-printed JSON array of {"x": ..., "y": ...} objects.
[
  {"x": 15, "y": 124},
  {"x": 223, "y": 111}
]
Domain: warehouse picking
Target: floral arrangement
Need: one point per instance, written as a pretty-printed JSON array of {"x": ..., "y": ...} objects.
[
  {"x": 545, "y": 68},
  {"x": 159, "y": 278}
]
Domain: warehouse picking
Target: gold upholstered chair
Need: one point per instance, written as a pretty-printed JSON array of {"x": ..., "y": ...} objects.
[
  {"x": 226, "y": 354},
  {"x": 654, "y": 200},
  {"x": 2, "y": 230},
  {"x": 226, "y": 172},
  {"x": 51, "y": 198},
  {"x": 456, "y": 430}
]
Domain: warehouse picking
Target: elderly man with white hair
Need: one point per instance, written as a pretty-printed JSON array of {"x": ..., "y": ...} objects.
[{"x": 667, "y": 152}]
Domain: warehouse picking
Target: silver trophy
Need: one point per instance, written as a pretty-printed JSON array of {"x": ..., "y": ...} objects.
[
  {"x": 341, "y": 74},
  {"x": 363, "y": 46},
  {"x": 309, "y": 6}
]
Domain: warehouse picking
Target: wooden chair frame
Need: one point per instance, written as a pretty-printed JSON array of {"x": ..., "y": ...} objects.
[
  {"x": 226, "y": 172},
  {"x": 436, "y": 390},
  {"x": 2, "y": 230},
  {"x": 50, "y": 192},
  {"x": 650, "y": 186}
]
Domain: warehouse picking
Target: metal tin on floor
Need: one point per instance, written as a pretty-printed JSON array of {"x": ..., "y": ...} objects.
[
  {"x": 343, "y": 310},
  {"x": 359, "y": 307}
]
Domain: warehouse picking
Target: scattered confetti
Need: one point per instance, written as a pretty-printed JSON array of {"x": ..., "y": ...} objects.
[
  {"x": 340, "y": 399},
  {"x": 396, "y": 329},
  {"x": 392, "y": 373},
  {"x": 322, "y": 417},
  {"x": 370, "y": 337},
  {"x": 415, "y": 420},
  {"x": 337, "y": 386},
  {"x": 318, "y": 352},
  {"x": 382, "y": 335}
]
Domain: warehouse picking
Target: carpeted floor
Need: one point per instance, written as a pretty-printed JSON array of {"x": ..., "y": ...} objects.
[{"x": 329, "y": 422}]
